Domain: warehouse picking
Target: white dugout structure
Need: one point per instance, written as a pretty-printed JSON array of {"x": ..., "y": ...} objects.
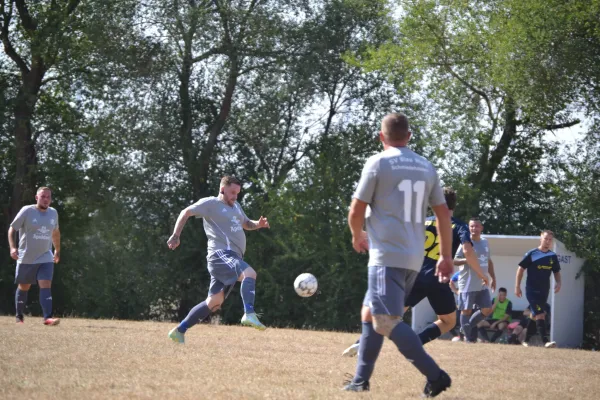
[{"x": 566, "y": 306}]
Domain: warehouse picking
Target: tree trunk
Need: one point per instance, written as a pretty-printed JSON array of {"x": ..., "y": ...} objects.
[
  {"x": 201, "y": 174},
  {"x": 482, "y": 180},
  {"x": 26, "y": 166}
]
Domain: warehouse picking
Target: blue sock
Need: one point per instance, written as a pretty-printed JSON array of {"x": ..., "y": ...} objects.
[
  {"x": 465, "y": 325},
  {"x": 195, "y": 315},
  {"x": 46, "y": 302},
  {"x": 410, "y": 346},
  {"x": 20, "y": 302},
  {"x": 368, "y": 351},
  {"x": 476, "y": 318},
  {"x": 248, "y": 292},
  {"x": 431, "y": 332}
]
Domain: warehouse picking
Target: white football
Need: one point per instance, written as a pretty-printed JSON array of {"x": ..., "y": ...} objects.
[{"x": 306, "y": 285}]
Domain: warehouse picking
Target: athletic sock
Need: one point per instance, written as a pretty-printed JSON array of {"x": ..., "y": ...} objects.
[
  {"x": 531, "y": 328},
  {"x": 408, "y": 343},
  {"x": 431, "y": 332},
  {"x": 465, "y": 325},
  {"x": 541, "y": 329},
  {"x": 46, "y": 302},
  {"x": 368, "y": 351},
  {"x": 248, "y": 294},
  {"x": 20, "y": 302},
  {"x": 196, "y": 314}
]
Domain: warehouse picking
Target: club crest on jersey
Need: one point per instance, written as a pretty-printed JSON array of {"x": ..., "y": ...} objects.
[
  {"x": 224, "y": 210},
  {"x": 237, "y": 224},
  {"x": 35, "y": 220},
  {"x": 52, "y": 222}
]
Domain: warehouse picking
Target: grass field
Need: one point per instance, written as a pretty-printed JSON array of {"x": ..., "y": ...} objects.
[{"x": 93, "y": 359}]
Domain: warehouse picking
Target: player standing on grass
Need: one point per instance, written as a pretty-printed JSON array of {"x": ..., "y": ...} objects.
[
  {"x": 539, "y": 263},
  {"x": 472, "y": 282},
  {"x": 224, "y": 224},
  {"x": 397, "y": 184},
  {"x": 38, "y": 231},
  {"x": 427, "y": 284}
]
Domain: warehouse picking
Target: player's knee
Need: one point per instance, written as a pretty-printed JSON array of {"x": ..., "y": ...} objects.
[
  {"x": 385, "y": 324},
  {"x": 466, "y": 312},
  {"x": 486, "y": 311},
  {"x": 448, "y": 320},
  {"x": 249, "y": 273},
  {"x": 214, "y": 302},
  {"x": 45, "y": 284},
  {"x": 24, "y": 287}
]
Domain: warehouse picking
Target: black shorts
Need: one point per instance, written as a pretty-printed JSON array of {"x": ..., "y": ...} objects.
[
  {"x": 440, "y": 295},
  {"x": 537, "y": 301}
]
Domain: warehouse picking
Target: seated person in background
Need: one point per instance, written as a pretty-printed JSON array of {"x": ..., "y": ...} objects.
[{"x": 499, "y": 319}]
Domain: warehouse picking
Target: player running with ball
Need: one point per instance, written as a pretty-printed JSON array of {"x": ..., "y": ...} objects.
[{"x": 224, "y": 224}]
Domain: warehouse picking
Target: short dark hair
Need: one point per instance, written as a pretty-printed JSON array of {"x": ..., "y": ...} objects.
[
  {"x": 503, "y": 289},
  {"x": 547, "y": 231},
  {"x": 450, "y": 196},
  {"x": 395, "y": 127},
  {"x": 42, "y": 188},
  {"x": 475, "y": 219},
  {"x": 230, "y": 180}
]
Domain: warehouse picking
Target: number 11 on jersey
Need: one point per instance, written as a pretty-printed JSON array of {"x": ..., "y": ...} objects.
[{"x": 409, "y": 187}]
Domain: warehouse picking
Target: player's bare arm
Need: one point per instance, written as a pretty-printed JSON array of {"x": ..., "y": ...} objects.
[
  {"x": 492, "y": 275},
  {"x": 14, "y": 252},
  {"x": 444, "y": 268},
  {"x": 174, "y": 241},
  {"x": 251, "y": 225},
  {"x": 558, "y": 282},
  {"x": 356, "y": 221},
  {"x": 520, "y": 272},
  {"x": 473, "y": 261},
  {"x": 56, "y": 244}
]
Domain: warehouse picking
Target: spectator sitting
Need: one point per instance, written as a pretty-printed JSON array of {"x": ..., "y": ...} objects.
[{"x": 499, "y": 319}]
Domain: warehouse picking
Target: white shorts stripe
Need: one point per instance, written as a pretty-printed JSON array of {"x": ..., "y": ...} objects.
[{"x": 226, "y": 259}]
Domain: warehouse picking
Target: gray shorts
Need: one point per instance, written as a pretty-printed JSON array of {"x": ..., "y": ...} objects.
[
  {"x": 32, "y": 273},
  {"x": 480, "y": 298},
  {"x": 388, "y": 290},
  {"x": 225, "y": 268}
]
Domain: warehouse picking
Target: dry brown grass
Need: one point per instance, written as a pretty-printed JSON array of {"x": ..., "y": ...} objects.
[{"x": 93, "y": 359}]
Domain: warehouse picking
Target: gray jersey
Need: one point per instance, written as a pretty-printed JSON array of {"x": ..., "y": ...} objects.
[
  {"x": 223, "y": 225},
  {"x": 398, "y": 185},
  {"x": 35, "y": 234},
  {"x": 468, "y": 281}
]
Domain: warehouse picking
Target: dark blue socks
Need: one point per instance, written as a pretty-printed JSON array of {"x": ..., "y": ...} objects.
[
  {"x": 410, "y": 346},
  {"x": 248, "y": 294},
  {"x": 46, "y": 302},
  {"x": 196, "y": 315},
  {"x": 20, "y": 302},
  {"x": 431, "y": 332},
  {"x": 368, "y": 351}
]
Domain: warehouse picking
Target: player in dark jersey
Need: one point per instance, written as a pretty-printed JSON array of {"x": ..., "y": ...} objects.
[
  {"x": 539, "y": 264},
  {"x": 427, "y": 284}
]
